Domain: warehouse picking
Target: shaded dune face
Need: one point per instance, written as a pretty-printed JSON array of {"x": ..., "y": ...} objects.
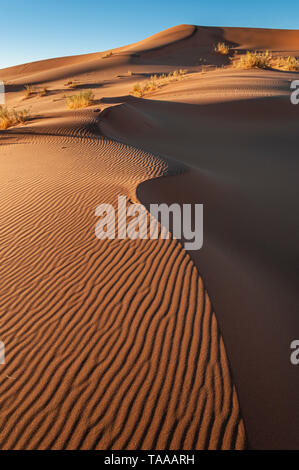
[
  {"x": 114, "y": 344},
  {"x": 110, "y": 344},
  {"x": 244, "y": 172}
]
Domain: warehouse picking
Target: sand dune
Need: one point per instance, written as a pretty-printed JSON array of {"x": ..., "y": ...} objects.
[
  {"x": 115, "y": 344},
  {"x": 242, "y": 152},
  {"x": 110, "y": 344},
  {"x": 178, "y": 46},
  {"x": 245, "y": 173}
]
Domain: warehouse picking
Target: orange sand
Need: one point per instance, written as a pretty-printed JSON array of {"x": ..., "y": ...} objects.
[{"x": 115, "y": 344}]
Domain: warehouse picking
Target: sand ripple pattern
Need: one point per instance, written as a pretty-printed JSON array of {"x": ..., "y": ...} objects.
[{"x": 109, "y": 344}]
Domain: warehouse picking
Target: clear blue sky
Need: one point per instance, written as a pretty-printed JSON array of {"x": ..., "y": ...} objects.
[{"x": 40, "y": 29}]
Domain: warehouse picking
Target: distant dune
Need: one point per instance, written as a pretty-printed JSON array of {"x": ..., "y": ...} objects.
[{"x": 137, "y": 344}]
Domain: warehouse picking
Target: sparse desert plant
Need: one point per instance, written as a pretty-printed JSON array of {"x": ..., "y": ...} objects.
[
  {"x": 29, "y": 91},
  {"x": 81, "y": 100},
  {"x": 150, "y": 85},
  {"x": 251, "y": 60},
  {"x": 21, "y": 116},
  {"x": 137, "y": 90},
  {"x": 175, "y": 75},
  {"x": 9, "y": 118},
  {"x": 290, "y": 63},
  {"x": 222, "y": 48},
  {"x": 5, "y": 118},
  {"x": 108, "y": 54},
  {"x": 43, "y": 92},
  {"x": 157, "y": 81}
]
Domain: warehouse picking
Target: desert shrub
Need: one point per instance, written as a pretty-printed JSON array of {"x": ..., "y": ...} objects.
[
  {"x": 21, "y": 116},
  {"x": 251, "y": 60},
  {"x": 9, "y": 118},
  {"x": 289, "y": 63},
  {"x": 137, "y": 90},
  {"x": 157, "y": 81},
  {"x": 222, "y": 48},
  {"x": 29, "y": 91},
  {"x": 81, "y": 100}
]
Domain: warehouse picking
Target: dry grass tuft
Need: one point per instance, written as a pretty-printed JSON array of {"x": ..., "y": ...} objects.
[
  {"x": 9, "y": 118},
  {"x": 261, "y": 60},
  {"x": 222, "y": 48},
  {"x": 30, "y": 91},
  {"x": 290, "y": 63},
  {"x": 156, "y": 81},
  {"x": 81, "y": 100},
  {"x": 265, "y": 60}
]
